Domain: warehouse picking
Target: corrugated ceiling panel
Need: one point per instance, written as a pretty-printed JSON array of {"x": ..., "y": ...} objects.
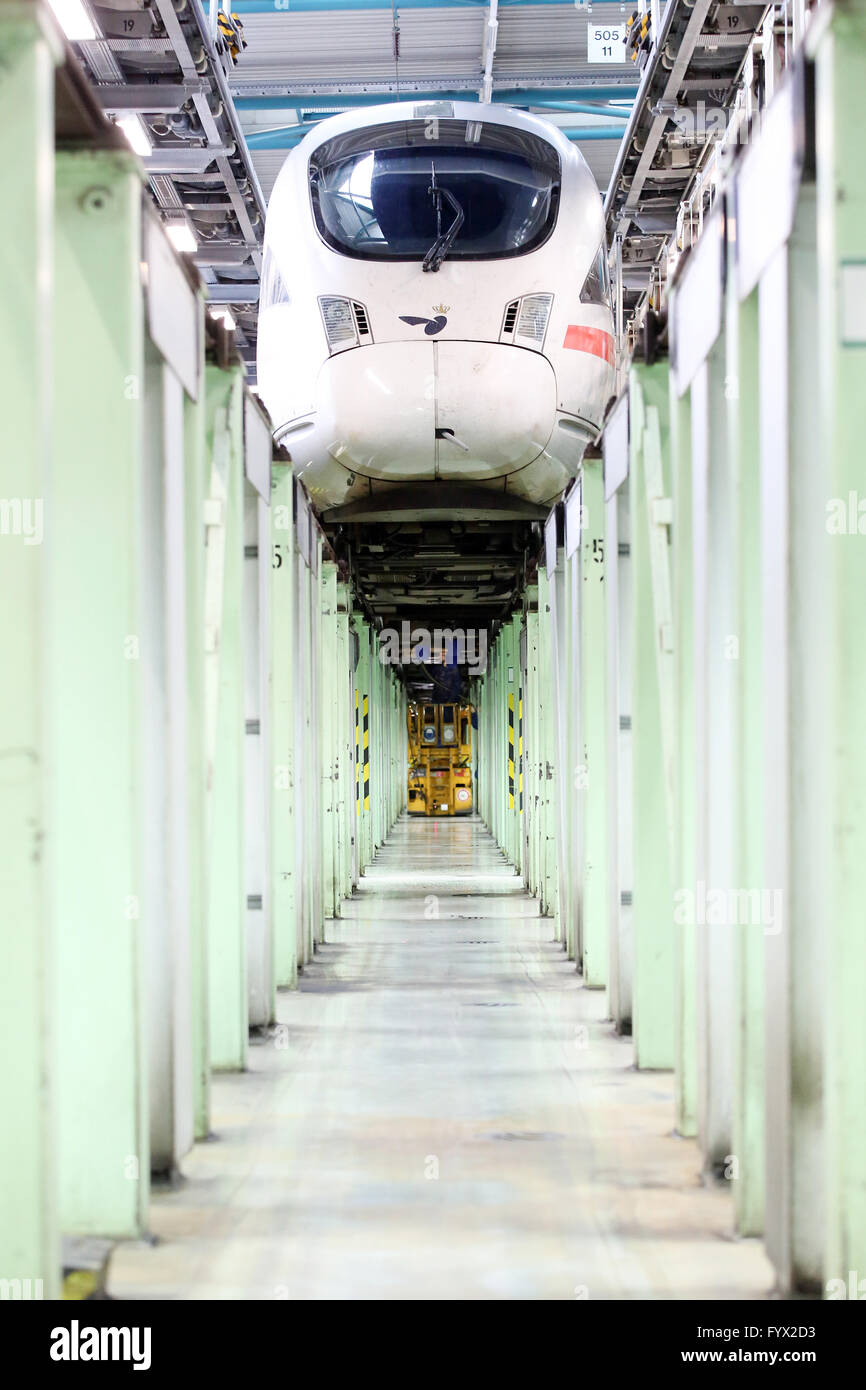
[
  {"x": 267, "y": 164},
  {"x": 552, "y": 40},
  {"x": 356, "y": 45}
]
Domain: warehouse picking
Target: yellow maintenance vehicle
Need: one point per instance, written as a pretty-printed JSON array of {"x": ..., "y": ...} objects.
[{"x": 440, "y": 759}]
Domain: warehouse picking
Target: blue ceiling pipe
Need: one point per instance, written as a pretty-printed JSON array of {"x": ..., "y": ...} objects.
[
  {"x": 513, "y": 96},
  {"x": 583, "y": 108},
  {"x": 286, "y": 137},
  {"x": 594, "y": 132}
]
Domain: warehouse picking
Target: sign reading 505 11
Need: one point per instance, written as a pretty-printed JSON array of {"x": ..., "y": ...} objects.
[{"x": 605, "y": 43}]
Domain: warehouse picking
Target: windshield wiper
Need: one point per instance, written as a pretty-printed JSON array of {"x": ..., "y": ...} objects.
[{"x": 442, "y": 245}]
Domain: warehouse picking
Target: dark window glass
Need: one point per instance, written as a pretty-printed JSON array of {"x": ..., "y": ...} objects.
[
  {"x": 371, "y": 190},
  {"x": 596, "y": 286}
]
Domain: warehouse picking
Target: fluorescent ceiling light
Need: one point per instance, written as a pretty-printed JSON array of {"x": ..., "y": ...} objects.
[
  {"x": 218, "y": 312},
  {"x": 181, "y": 236},
  {"x": 74, "y": 20},
  {"x": 137, "y": 136}
]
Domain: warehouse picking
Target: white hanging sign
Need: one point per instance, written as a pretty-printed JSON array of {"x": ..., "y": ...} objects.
[{"x": 605, "y": 43}]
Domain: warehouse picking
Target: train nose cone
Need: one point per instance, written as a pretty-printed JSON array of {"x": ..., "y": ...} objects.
[{"x": 422, "y": 410}]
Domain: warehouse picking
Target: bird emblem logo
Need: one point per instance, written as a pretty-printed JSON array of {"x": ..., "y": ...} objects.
[{"x": 431, "y": 326}]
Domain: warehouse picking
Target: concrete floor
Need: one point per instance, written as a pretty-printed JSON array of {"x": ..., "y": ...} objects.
[{"x": 442, "y": 1113}]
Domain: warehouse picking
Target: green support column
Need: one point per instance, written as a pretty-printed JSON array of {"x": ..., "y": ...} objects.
[
  {"x": 314, "y": 779},
  {"x": 532, "y": 755},
  {"x": 593, "y": 708},
  {"x": 745, "y": 562},
  {"x": 569, "y": 754},
  {"x": 283, "y": 657},
  {"x": 841, "y": 254},
  {"x": 303, "y": 793},
  {"x": 653, "y": 986},
  {"x": 224, "y": 716},
  {"x": 329, "y": 715},
  {"x": 547, "y": 761},
  {"x": 195, "y": 492},
  {"x": 345, "y": 791},
  {"x": 797, "y": 717},
  {"x": 511, "y": 654},
  {"x": 377, "y": 745},
  {"x": 499, "y": 750},
  {"x": 684, "y": 862},
  {"x": 94, "y": 684},
  {"x": 568, "y": 870},
  {"x": 29, "y": 1241}
]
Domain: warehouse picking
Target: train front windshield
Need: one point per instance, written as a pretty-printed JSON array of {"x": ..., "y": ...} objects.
[{"x": 374, "y": 191}]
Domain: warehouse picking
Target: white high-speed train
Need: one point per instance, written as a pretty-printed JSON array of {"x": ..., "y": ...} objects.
[{"x": 435, "y": 303}]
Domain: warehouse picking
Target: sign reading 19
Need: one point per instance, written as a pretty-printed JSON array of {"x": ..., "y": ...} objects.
[{"x": 604, "y": 43}]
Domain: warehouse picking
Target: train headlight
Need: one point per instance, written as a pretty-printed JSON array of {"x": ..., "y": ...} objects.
[{"x": 339, "y": 321}]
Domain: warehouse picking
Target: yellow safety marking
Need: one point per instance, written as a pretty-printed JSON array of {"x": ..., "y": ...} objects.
[
  {"x": 80, "y": 1284},
  {"x": 366, "y": 752},
  {"x": 357, "y": 760}
]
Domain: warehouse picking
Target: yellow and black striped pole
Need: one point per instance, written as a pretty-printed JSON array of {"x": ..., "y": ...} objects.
[
  {"x": 510, "y": 751},
  {"x": 366, "y": 752}
]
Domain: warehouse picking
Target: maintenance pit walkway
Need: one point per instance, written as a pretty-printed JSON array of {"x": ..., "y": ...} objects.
[{"x": 442, "y": 1112}]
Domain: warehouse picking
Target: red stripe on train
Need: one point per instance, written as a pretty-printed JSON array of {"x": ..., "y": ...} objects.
[{"x": 593, "y": 340}]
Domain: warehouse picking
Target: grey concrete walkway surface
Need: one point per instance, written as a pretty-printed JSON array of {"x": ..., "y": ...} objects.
[{"x": 442, "y": 1113}]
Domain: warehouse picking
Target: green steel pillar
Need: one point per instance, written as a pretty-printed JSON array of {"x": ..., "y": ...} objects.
[
  {"x": 684, "y": 860},
  {"x": 224, "y": 720},
  {"x": 283, "y": 656},
  {"x": 797, "y": 716},
  {"x": 743, "y": 434},
  {"x": 560, "y": 650},
  {"x": 476, "y": 695},
  {"x": 511, "y": 672},
  {"x": 305, "y": 803},
  {"x": 532, "y": 745},
  {"x": 29, "y": 1242},
  {"x": 840, "y": 55},
  {"x": 547, "y": 761},
  {"x": 500, "y": 766},
  {"x": 94, "y": 684},
  {"x": 315, "y": 876},
  {"x": 377, "y": 744},
  {"x": 653, "y": 991},
  {"x": 329, "y": 714},
  {"x": 344, "y": 790},
  {"x": 569, "y": 751},
  {"x": 502, "y": 711},
  {"x": 594, "y": 714},
  {"x": 195, "y": 492}
]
